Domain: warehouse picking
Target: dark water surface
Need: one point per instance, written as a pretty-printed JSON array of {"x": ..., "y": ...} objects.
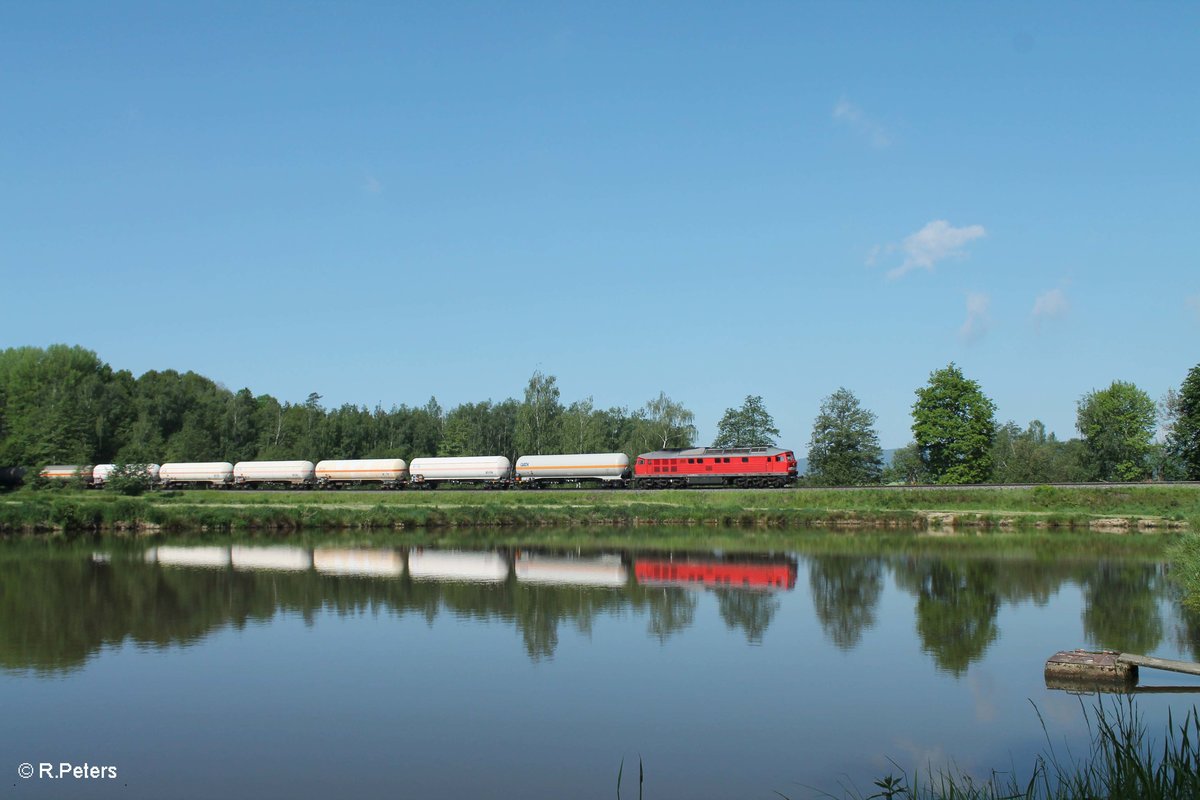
[{"x": 253, "y": 669}]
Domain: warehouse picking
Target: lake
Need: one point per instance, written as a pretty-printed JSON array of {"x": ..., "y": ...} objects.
[{"x": 376, "y": 667}]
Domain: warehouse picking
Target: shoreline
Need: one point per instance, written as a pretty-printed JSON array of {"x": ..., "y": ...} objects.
[{"x": 1124, "y": 509}]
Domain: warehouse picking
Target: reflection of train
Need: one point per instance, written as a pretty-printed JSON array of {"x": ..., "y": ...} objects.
[
  {"x": 743, "y": 467},
  {"x": 611, "y": 571}
]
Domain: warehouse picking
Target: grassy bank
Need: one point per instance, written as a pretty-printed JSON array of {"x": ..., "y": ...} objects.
[{"x": 1089, "y": 508}]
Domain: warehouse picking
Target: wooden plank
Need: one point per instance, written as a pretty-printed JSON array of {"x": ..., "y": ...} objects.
[{"x": 1186, "y": 667}]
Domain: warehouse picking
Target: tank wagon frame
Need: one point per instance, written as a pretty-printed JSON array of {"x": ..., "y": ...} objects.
[{"x": 741, "y": 467}]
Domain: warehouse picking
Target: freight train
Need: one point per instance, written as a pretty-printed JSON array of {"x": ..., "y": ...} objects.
[{"x": 742, "y": 467}]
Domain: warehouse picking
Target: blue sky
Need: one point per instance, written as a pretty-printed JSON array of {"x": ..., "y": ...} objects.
[{"x": 383, "y": 202}]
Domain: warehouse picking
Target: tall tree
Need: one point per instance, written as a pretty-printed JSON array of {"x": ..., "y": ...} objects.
[
  {"x": 1034, "y": 455},
  {"x": 1117, "y": 425},
  {"x": 748, "y": 426},
  {"x": 954, "y": 424},
  {"x": 667, "y": 423},
  {"x": 844, "y": 449},
  {"x": 1183, "y": 441},
  {"x": 538, "y": 421}
]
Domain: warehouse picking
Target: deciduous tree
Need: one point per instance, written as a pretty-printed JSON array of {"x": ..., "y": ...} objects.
[
  {"x": 1117, "y": 425},
  {"x": 844, "y": 448},
  {"x": 1183, "y": 441},
  {"x": 748, "y": 426},
  {"x": 954, "y": 425}
]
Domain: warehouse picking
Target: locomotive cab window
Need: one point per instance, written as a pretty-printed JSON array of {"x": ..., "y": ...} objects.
[{"x": 745, "y": 460}]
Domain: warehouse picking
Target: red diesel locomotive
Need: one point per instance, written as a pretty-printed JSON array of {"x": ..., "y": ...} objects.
[{"x": 743, "y": 467}]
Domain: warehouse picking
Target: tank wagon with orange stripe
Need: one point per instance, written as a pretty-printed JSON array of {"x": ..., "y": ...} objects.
[
  {"x": 195, "y": 473},
  {"x": 66, "y": 472},
  {"x": 390, "y": 473},
  {"x": 491, "y": 472},
  {"x": 609, "y": 469}
]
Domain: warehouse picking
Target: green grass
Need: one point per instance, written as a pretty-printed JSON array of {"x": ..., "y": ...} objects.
[{"x": 1148, "y": 506}]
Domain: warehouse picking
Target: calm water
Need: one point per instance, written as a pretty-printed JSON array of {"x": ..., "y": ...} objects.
[{"x": 256, "y": 670}]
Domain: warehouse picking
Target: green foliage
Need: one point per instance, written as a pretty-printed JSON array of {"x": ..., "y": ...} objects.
[
  {"x": 1034, "y": 456},
  {"x": 1117, "y": 425},
  {"x": 907, "y": 466},
  {"x": 1183, "y": 442},
  {"x": 666, "y": 423},
  {"x": 540, "y": 417},
  {"x": 954, "y": 426},
  {"x": 129, "y": 479},
  {"x": 844, "y": 448},
  {"x": 748, "y": 426}
]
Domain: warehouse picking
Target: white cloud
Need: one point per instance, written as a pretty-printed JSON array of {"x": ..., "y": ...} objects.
[
  {"x": 978, "y": 321},
  {"x": 371, "y": 185},
  {"x": 1194, "y": 303},
  {"x": 937, "y": 241},
  {"x": 852, "y": 116},
  {"x": 1050, "y": 304}
]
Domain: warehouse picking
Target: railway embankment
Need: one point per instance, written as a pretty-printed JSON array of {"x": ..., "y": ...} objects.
[{"x": 1079, "y": 508}]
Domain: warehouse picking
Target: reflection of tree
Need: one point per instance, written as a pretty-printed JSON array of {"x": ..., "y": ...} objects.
[
  {"x": 749, "y": 610},
  {"x": 1121, "y": 607},
  {"x": 956, "y": 609},
  {"x": 671, "y": 610},
  {"x": 845, "y": 591},
  {"x": 1187, "y": 629}
]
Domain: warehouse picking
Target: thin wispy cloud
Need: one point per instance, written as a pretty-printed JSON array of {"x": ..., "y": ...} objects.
[
  {"x": 848, "y": 114},
  {"x": 1050, "y": 305},
  {"x": 1194, "y": 303},
  {"x": 371, "y": 185},
  {"x": 978, "y": 321},
  {"x": 937, "y": 241}
]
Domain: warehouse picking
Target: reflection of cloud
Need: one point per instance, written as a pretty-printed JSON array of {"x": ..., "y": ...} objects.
[
  {"x": 937, "y": 241},
  {"x": 1049, "y": 305},
  {"x": 978, "y": 322},
  {"x": 851, "y": 115},
  {"x": 922, "y": 757},
  {"x": 983, "y": 692}
]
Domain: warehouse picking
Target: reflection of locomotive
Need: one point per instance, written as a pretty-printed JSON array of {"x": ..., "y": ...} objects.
[{"x": 743, "y": 467}]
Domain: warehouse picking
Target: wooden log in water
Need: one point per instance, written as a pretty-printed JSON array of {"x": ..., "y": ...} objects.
[{"x": 1186, "y": 667}]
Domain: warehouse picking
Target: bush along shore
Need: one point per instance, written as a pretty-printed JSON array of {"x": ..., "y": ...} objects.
[{"x": 1139, "y": 508}]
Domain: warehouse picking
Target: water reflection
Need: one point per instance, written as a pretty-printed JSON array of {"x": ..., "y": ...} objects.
[{"x": 57, "y": 611}]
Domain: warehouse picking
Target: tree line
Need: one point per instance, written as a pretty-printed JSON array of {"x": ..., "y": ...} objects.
[{"x": 63, "y": 404}]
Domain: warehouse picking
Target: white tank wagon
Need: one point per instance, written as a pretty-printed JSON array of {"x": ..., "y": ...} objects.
[
  {"x": 609, "y": 469},
  {"x": 101, "y": 472},
  {"x": 194, "y": 473},
  {"x": 494, "y": 472},
  {"x": 280, "y": 558},
  {"x": 388, "y": 472},
  {"x": 454, "y": 565},
  {"x": 602, "y": 571},
  {"x": 296, "y": 473},
  {"x": 217, "y": 557},
  {"x": 361, "y": 562}
]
